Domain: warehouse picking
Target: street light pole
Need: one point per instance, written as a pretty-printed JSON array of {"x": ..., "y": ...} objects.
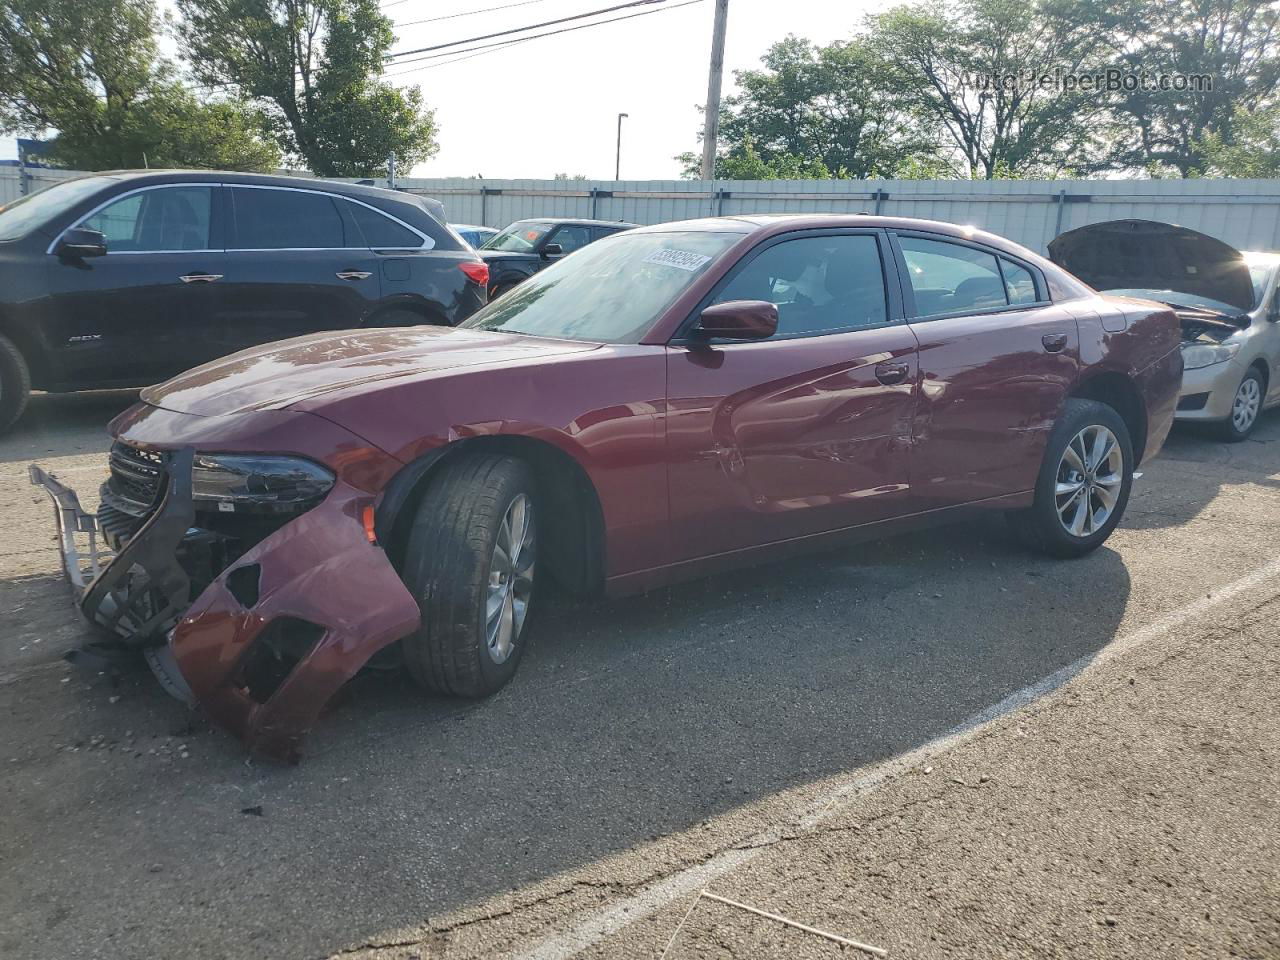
[
  {"x": 617, "y": 166},
  {"x": 711, "y": 121}
]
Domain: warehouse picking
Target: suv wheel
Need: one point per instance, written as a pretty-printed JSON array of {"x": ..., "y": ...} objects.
[
  {"x": 15, "y": 383},
  {"x": 1246, "y": 407},
  {"x": 470, "y": 562},
  {"x": 1084, "y": 482}
]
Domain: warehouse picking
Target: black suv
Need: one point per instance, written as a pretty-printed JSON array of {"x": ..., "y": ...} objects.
[
  {"x": 124, "y": 279},
  {"x": 526, "y": 246}
]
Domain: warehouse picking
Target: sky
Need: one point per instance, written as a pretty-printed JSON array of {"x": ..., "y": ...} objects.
[{"x": 550, "y": 105}]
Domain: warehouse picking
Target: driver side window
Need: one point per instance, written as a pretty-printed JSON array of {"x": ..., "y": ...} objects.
[
  {"x": 570, "y": 237},
  {"x": 819, "y": 284}
]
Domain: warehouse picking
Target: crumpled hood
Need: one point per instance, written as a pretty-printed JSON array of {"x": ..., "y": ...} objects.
[
  {"x": 277, "y": 375},
  {"x": 1146, "y": 254}
]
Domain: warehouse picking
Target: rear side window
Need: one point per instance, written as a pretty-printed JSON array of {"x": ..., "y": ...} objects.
[
  {"x": 1019, "y": 285},
  {"x": 820, "y": 284},
  {"x": 951, "y": 278},
  {"x": 286, "y": 220},
  {"x": 380, "y": 231},
  {"x": 163, "y": 219}
]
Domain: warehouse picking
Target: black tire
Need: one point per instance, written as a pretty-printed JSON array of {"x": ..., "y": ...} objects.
[
  {"x": 501, "y": 289},
  {"x": 1229, "y": 429},
  {"x": 1042, "y": 526},
  {"x": 15, "y": 383},
  {"x": 449, "y": 561},
  {"x": 398, "y": 317}
]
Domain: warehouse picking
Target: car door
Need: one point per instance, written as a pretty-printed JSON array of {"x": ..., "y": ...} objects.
[
  {"x": 296, "y": 263},
  {"x": 808, "y": 430},
  {"x": 996, "y": 362},
  {"x": 137, "y": 314},
  {"x": 570, "y": 236}
]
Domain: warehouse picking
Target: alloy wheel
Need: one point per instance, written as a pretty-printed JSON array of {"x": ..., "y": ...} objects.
[
  {"x": 1090, "y": 475},
  {"x": 1245, "y": 407},
  {"x": 510, "y": 579}
]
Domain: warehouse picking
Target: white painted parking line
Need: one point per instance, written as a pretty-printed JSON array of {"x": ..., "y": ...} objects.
[{"x": 608, "y": 920}]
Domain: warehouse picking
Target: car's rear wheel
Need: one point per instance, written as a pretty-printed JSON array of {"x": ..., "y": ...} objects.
[
  {"x": 470, "y": 561},
  {"x": 1246, "y": 407},
  {"x": 15, "y": 383},
  {"x": 1083, "y": 485},
  {"x": 501, "y": 289}
]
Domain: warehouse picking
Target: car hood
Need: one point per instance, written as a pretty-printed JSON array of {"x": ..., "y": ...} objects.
[
  {"x": 278, "y": 375},
  {"x": 1148, "y": 255}
]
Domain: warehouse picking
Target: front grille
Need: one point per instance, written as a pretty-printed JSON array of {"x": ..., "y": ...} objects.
[{"x": 135, "y": 479}]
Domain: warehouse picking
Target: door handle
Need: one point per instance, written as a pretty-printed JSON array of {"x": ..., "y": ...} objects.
[
  {"x": 890, "y": 373},
  {"x": 200, "y": 277},
  {"x": 354, "y": 274},
  {"x": 1054, "y": 342}
]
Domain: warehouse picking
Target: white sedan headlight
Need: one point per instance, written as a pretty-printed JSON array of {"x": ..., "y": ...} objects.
[{"x": 1197, "y": 355}]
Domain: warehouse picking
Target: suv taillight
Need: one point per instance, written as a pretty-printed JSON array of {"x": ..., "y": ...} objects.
[{"x": 477, "y": 273}]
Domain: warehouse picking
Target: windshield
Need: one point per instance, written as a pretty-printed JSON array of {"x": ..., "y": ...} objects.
[
  {"x": 610, "y": 292},
  {"x": 22, "y": 216},
  {"x": 523, "y": 236},
  {"x": 1260, "y": 272},
  {"x": 1177, "y": 299}
]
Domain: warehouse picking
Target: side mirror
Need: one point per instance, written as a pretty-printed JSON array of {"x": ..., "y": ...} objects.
[
  {"x": 81, "y": 242},
  {"x": 552, "y": 250},
  {"x": 739, "y": 320}
]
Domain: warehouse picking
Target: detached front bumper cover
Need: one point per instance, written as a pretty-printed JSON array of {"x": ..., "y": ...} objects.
[{"x": 319, "y": 569}]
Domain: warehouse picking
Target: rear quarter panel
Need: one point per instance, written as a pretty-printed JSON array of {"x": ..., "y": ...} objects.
[{"x": 1142, "y": 341}]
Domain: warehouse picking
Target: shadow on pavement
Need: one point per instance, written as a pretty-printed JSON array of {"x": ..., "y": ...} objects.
[
  {"x": 64, "y": 423},
  {"x": 628, "y": 720}
]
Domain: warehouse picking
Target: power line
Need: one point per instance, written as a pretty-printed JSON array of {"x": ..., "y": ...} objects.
[
  {"x": 502, "y": 45},
  {"x": 468, "y": 13},
  {"x": 531, "y": 26}
]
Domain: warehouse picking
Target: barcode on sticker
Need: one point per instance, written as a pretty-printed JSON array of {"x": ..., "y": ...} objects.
[{"x": 680, "y": 259}]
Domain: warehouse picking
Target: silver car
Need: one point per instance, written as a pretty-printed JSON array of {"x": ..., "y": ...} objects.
[{"x": 1226, "y": 300}]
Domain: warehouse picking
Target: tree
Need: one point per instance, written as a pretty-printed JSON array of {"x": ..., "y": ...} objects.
[
  {"x": 1222, "y": 58},
  {"x": 1254, "y": 152},
  {"x": 817, "y": 112},
  {"x": 964, "y": 69},
  {"x": 314, "y": 66},
  {"x": 90, "y": 70}
]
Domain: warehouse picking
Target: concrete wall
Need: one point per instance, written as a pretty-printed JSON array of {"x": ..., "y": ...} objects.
[{"x": 1244, "y": 213}]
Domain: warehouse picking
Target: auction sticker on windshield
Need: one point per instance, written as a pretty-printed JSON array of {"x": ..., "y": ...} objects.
[{"x": 680, "y": 259}]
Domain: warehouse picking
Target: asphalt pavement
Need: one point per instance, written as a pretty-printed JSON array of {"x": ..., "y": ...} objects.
[{"x": 937, "y": 744}]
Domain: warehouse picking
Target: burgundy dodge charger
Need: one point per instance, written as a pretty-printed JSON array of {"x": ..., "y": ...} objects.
[{"x": 669, "y": 401}]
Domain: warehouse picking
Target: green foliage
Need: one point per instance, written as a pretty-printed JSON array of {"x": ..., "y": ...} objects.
[
  {"x": 90, "y": 70},
  {"x": 1254, "y": 152},
  {"x": 313, "y": 66},
  {"x": 972, "y": 88},
  {"x": 1232, "y": 42}
]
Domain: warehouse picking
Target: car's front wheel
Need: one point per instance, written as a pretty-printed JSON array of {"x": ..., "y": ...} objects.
[
  {"x": 15, "y": 383},
  {"x": 1246, "y": 406},
  {"x": 471, "y": 562},
  {"x": 1084, "y": 482}
]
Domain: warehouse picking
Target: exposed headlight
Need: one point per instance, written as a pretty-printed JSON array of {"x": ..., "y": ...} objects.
[
  {"x": 261, "y": 484},
  {"x": 1197, "y": 355}
]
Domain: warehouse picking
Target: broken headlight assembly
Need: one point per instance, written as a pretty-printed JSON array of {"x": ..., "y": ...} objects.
[
  {"x": 1197, "y": 355},
  {"x": 231, "y": 483}
]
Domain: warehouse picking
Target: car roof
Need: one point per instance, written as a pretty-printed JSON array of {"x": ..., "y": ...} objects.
[
  {"x": 580, "y": 222},
  {"x": 766, "y": 224},
  {"x": 144, "y": 177}
]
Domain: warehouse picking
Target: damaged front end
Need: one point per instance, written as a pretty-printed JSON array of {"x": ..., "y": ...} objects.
[{"x": 252, "y": 582}]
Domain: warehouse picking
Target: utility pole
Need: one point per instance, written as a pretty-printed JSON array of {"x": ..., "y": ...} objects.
[
  {"x": 391, "y": 171},
  {"x": 617, "y": 166},
  {"x": 711, "y": 127}
]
